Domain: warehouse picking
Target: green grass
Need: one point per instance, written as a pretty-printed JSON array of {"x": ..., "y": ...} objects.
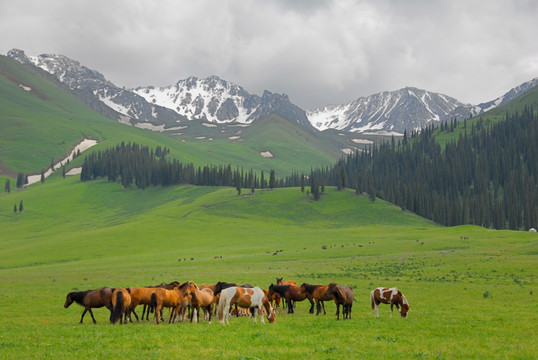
[{"x": 471, "y": 290}]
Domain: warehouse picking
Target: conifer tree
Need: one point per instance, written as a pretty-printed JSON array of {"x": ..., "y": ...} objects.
[
  {"x": 272, "y": 179},
  {"x": 7, "y": 187},
  {"x": 20, "y": 206}
]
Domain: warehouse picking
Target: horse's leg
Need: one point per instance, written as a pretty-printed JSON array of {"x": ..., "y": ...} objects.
[
  {"x": 391, "y": 305},
  {"x": 323, "y": 305},
  {"x": 290, "y": 306},
  {"x": 337, "y": 311},
  {"x": 376, "y": 309},
  {"x": 136, "y": 316},
  {"x": 82, "y": 317},
  {"x": 210, "y": 312},
  {"x": 91, "y": 313},
  {"x": 311, "y": 311}
]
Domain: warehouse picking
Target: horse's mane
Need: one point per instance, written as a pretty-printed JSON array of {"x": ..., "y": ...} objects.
[
  {"x": 281, "y": 289},
  {"x": 310, "y": 288},
  {"x": 78, "y": 296},
  {"x": 404, "y": 300}
]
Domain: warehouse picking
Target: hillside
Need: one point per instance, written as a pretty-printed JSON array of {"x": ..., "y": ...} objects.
[{"x": 43, "y": 122}]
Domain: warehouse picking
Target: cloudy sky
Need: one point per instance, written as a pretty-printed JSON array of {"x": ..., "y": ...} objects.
[{"x": 318, "y": 52}]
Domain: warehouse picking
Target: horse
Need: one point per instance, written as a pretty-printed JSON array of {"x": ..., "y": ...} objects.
[
  {"x": 244, "y": 297},
  {"x": 289, "y": 292},
  {"x": 289, "y": 282},
  {"x": 121, "y": 303},
  {"x": 221, "y": 285},
  {"x": 316, "y": 292},
  {"x": 342, "y": 295},
  {"x": 147, "y": 306},
  {"x": 91, "y": 299},
  {"x": 162, "y": 298},
  {"x": 391, "y": 296},
  {"x": 199, "y": 299}
]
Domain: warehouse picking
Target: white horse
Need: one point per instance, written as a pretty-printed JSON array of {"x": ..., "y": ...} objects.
[{"x": 247, "y": 298}]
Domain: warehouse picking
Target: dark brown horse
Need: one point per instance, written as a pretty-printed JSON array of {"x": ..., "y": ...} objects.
[
  {"x": 390, "y": 296},
  {"x": 317, "y": 293},
  {"x": 121, "y": 303},
  {"x": 91, "y": 299},
  {"x": 342, "y": 295},
  {"x": 290, "y": 293}
]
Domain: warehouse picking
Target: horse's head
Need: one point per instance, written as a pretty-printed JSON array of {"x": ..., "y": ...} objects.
[
  {"x": 331, "y": 289},
  {"x": 68, "y": 300},
  {"x": 279, "y": 281},
  {"x": 404, "y": 309},
  {"x": 271, "y": 315}
]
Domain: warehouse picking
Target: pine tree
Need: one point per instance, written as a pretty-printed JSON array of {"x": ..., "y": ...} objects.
[
  {"x": 272, "y": 179},
  {"x": 20, "y": 180},
  {"x": 7, "y": 187},
  {"x": 20, "y": 206},
  {"x": 42, "y": 176},
  {"x": 15, "y": 208},
  {"x": 302, "y": 183}
]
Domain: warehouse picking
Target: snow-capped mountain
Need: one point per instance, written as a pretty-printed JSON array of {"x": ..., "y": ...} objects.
[
  {"x": 393, "y": 112},
  {"x": 218, "y": 101},
  {"x": 510, "y": 95},
  {"x": 211, "y": 99}
]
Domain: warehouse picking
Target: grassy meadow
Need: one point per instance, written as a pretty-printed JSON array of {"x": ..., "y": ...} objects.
[{"x": 471, "y": 290}]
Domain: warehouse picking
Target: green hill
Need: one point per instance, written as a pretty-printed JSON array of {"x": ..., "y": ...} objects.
[{"x": 44, "y": 121}]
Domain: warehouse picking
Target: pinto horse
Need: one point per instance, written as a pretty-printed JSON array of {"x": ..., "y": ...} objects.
[
  {"x": 244, "y": 297},
  {"x": 91, "y": 299},
  {"x": 316, "y": 292},
  {"x": 390, "y": 296},
  {"x": 290, "y": 293},
  {"x": 342, "y": 295},
  {"x": 221, "y": 285},
  {"x": 121, "y": 303}
]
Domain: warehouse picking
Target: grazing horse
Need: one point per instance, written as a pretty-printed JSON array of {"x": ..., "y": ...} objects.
[
  {"x": 199, "y": 299},
  {"x": 244, "y": 297},
  {"x": 342, "y": 295},
  {"x": 162, "y": 298},
  {"x": 316, "y": 292},
  {"x": 390, "y": 296},
  {"x": 91, "y": 299},
  {"x": 221, "y": 285},
  {"x": 121, "y": 303},
  {"x": 289, "y": 292}
]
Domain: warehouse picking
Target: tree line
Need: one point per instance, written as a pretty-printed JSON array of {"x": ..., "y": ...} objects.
[{"x": 487, "y": 177}]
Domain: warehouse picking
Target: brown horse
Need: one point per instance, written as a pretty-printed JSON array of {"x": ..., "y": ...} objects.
[
  {"x": 199, "y": 299},
  {"x": 391, "y": 296},
  {"x": 342, "y": 295},
  {"x": 91, "y": 299},
  {"x": 289, "y": 282},
  {"x": 162, "y": 298},
  {"x": 247, "y": 298},
  {"x": 147, "y": 306},
  {"x": 121, "y": 303},
  {"x": 316, "y": 292},
  {"x": 290, "y": 293}
]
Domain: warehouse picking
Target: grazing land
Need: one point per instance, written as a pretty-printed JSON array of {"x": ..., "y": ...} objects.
[{"x": 471, "y": 290}]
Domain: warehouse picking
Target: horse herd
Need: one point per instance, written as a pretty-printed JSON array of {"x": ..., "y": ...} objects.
[{"x": 188, "y": 300}]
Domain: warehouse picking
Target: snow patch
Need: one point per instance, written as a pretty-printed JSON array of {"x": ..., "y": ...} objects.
[
  {"x": 347, "y": 151},
  {"x": 209, "y": 125},
  {"x": 26, "y": 88},
  {"x": 234, "y": 137},
  {"x": 267, "y": 154},
  {"x": 362, "y": 141}
]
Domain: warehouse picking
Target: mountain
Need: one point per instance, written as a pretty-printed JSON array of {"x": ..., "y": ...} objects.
[
  {"x": 211, "y": 100},
  {"x": 390, "y": 111}
]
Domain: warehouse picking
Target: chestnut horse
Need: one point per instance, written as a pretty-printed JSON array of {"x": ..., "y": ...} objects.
[
  {"x": 91, "y": 299},
  {"x": 121, "y": 303},
  {"x": 342, "y": 295},
  {"x": 247, "y": 298},
  {"x": 199, "y": 299},
  {"x": 290, "y": 293},
  {"x": 390, "y": 296},
  {"x": 316, "y": 292},
  {"x": 147, "y": 306},
  {"x": 162, "y": 298}
]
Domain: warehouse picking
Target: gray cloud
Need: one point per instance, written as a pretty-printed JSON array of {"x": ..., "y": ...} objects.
[{"x": 317, "y": 52}]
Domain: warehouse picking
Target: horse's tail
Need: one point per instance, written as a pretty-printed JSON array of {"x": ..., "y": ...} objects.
[
  {"x": 117, "y": 310},
  {"x": 153, "y": 301},
  {"x": 220, "y": 306},
  {"x": 372, "y": 299}
]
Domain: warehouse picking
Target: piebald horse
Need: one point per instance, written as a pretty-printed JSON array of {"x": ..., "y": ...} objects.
[
  {"x": 91, "y": 299},
  {"x": 342, "y": 295},
  {"x": 247, "y": 298},
  {"x": 391, "y": 296}
]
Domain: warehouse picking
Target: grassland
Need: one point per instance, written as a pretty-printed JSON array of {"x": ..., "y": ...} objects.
[{"x": 471, "y": 290}]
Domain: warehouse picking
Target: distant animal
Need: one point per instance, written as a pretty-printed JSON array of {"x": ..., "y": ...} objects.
[
  {"x": 247, "y": 298},
  {"x": 317, "y": 293},
  {"x": 290, "y": 293},
  {"x": 342, "y": 295},
  {"x": 91, "y": 299},
  {"x": 121, "y": 303},
  {"x": 391, "y": 296}
]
